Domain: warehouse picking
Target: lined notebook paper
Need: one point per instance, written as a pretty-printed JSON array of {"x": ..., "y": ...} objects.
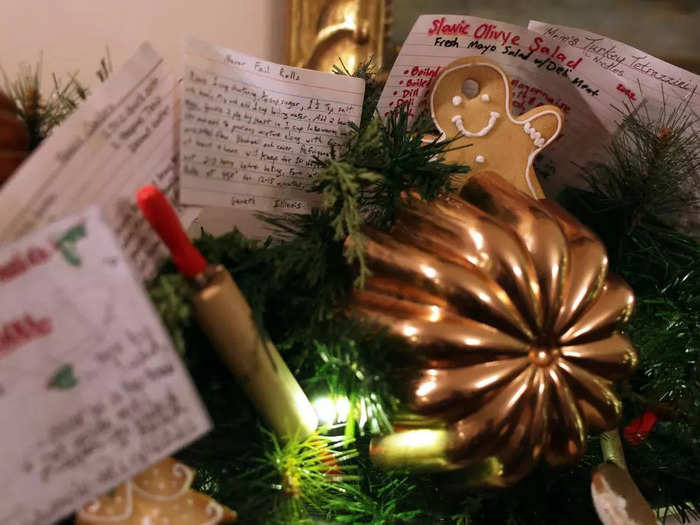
[
  {"x": 122, "y": 137},
  {"x": 658, "y": 83},
  {"x": 252, "y": 129},
  {"x": 542, "y": 71}
]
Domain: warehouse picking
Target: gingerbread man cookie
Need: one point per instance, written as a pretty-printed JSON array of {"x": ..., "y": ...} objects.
[
  {"x": 160, "y": 495},
  {"x": 471, "y": 100}
]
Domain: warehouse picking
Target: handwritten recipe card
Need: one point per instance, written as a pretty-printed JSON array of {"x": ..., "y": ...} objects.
[
  {"x": 91, "y": 390},
  {"x": 542, "y": 71},
  {"x": 121, "y": 138},
  {"x": 251, "y": 129},
  {"x": 658, "y": 83}
]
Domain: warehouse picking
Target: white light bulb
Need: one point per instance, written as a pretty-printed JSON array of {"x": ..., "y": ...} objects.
[{"x": 325, "y": 410}]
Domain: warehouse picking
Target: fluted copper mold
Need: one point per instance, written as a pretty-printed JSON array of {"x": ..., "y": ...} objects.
[{"x": 515, "y": 323}]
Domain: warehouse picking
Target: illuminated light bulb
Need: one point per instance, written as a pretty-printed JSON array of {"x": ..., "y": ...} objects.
[
  {"x": 342, "y": 409},
  {"x": 435, "y": 313},
  {"x": 332, "y": 409},
  {"x": 325, "y": 410}
]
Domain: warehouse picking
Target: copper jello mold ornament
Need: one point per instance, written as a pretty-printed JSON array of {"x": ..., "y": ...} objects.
[{"x": 514, "y": 323}]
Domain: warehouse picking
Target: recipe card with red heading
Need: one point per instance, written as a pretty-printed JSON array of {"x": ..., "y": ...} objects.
[
  {"x": 542, "y": 71},
  {"x": 91, "y": 389}
]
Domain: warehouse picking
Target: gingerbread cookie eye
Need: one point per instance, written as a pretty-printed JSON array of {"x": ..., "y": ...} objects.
[
  {"x": 456, "y": 101},
  {"x": 470, "y": 88}
]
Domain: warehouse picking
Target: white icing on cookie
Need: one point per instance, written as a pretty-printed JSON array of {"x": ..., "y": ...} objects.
[
  {"x": 215, "y": 510},
  {"x": 89, "y": 513},
  {"x": 456, "y": 100},
  {"x": 485, "y": 98},
  {"x": 179, "y": 470},
  {"x": 480, "y": 159},
  {"x": 493, "y": 117},
  {"x": 535, "y": 135}
]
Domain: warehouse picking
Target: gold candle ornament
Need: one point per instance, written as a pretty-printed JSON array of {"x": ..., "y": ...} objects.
[
  {"x": 226, "y": 318},
  {"x": 514, "y": 323},
  {"x": 224, "y": 315}
]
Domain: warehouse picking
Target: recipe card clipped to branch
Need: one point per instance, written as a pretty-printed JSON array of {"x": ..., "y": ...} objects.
[
  {"x": 660, "y": 84},
  {"x": 542, "y": 71},
  {"x": 91, "y": 390},
  {"x": 252, "y": 130},
  {"x": 119, "y": 139}
]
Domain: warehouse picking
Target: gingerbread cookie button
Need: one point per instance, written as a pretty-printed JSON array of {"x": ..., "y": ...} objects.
[{"x": 471, "y": 100}]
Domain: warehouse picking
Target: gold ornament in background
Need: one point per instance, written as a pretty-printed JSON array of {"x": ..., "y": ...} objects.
[
  {"x": 515, "y": 325},
  {"x": 160, "y": 495},
  {"x": 14, "y": 138},
  {"x": 322, "y": 33}
]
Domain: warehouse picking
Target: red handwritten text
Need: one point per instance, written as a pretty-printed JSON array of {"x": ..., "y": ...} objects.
[
  {"x": 627, "y": 91},
  {"x": 441, "y": 28},
  {"x": 555, "y": 53},
  {"x": 491, "y": 32},
  {"x": 16, "y": 332},
  {"x": 21, "y": 262}
]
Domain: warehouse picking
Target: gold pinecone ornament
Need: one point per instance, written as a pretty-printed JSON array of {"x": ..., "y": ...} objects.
[{"x": 515, "y": 325}]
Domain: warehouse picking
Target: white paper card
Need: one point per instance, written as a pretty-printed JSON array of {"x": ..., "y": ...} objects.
[
  {"x": 655, "y": 81},
  {"x": 122, "y": 137},
  {"x": 251, "y": 129},
  {"x": 91, "y": 390},
  {"x": 542, "y": 71}
]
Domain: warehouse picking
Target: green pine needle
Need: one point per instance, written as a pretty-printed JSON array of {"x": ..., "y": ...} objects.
[{"x": 42, "y": 112}]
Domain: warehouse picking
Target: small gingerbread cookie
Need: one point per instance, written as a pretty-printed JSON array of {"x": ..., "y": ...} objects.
[
  {"x": 471, "y": 100},
  {"x": 160, "y": 495}
]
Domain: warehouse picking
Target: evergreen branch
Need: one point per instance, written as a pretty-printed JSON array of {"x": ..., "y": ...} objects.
[
  {"x": 43, "y": 113},
  {"x": 653, "y": 167},
  {"x": 373, "y": 89},
  {"x": 636, "y": 203}
]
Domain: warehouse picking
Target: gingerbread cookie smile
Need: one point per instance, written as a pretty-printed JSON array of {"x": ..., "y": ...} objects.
[
  {"x": 471, "y": 100},
  {"x": 457, "y": 119}
]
